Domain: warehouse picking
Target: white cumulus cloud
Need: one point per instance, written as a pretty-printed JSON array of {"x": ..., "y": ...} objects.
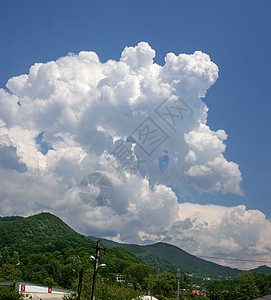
[
  {"x": 227, "y": 232},
  {"x": 70, "y": 117}
]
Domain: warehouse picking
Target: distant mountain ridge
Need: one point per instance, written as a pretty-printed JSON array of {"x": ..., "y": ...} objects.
[
  {"x": 46, "y": 232},
  {"x": 165, "y": 257},
  {"x": 262, "y": 270}
]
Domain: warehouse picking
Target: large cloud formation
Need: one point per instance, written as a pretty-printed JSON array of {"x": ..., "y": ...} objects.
[{"x": 70, "y": 117}]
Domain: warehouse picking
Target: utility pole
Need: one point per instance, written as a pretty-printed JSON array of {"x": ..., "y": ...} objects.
[
  {"x": 80, "y": 283},
  {"x": 96, "y": 266},
  {"x": 178, "y": 286}
]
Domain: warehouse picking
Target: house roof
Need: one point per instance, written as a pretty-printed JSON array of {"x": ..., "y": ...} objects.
[
  {"x": 147, "y": 298},
  {"x": 6, "y": 282}
]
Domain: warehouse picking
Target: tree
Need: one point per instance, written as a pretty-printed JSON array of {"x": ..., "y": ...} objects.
[
  {"x": 247, "y": 285},
  {"x": 10, "y": 293},
  {"x": 216, "y": 290},
  {"x": 5, "y": 256},
  {"x": 9, "y": 272},
  {"x": 115, "y": 291},
  {"x": 163, "y": 285},
  {"x": 136, "y": 275}
]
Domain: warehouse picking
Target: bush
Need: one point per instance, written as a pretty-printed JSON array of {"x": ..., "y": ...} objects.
[{"x": 10, "y": 293}]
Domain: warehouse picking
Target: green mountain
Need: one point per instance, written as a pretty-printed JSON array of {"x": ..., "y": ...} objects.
[
  {"x": 157, "y": 263},
  {"x": 189, "y": 263},
  {"x": 47, "y": 233},
  {"x": 39, "y": 233},
  {"x": 262, "y": 270},
  {"x": 43, "y": 249},
  {"x": 165, "y": 257},
  {"x": 3, "y": 219}
]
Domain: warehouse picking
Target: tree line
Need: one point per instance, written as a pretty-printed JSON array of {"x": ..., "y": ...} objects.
[{"x": 61, "y": 269}]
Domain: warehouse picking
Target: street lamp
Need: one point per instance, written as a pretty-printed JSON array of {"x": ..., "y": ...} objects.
[
  {"x": 178, "y": 286},
  {"x": 96, "y": 266}
]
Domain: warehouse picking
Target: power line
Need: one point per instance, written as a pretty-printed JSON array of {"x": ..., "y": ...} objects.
[{"x": 250, "y": 260}]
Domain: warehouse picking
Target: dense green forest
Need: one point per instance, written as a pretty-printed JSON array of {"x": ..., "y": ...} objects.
[
  {"x": 43, "y": 249},
  {"x": 39, "y": 233}
]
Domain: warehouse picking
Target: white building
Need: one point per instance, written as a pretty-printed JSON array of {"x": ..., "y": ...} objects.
[{"x": 37, "y": 291}]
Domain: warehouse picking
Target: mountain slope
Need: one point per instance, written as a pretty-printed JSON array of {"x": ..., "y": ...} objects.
[
  {"x": 39, "y": 233},
  {"x": 157, "y": 263},
  {"x": 47, "y": 233},
  {"x": 187, "y": 262},
  {"x": 4, "y": 219},
  {"x": 262, "y": 270},
  {"x": 43, "y": 249},
  {"x": 165, "y": 257}
]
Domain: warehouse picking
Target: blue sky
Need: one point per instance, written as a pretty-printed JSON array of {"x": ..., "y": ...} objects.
[{"x": 235, "y": 34}]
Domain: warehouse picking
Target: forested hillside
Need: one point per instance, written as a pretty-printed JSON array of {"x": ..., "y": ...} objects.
[
  {"x": 165, "y": 257},
  {"x": 43, "y": 249},
  {"x": 39, "y": 233}
]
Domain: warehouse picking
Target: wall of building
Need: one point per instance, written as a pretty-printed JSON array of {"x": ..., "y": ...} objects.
[{"x": 27, "y": 287}]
